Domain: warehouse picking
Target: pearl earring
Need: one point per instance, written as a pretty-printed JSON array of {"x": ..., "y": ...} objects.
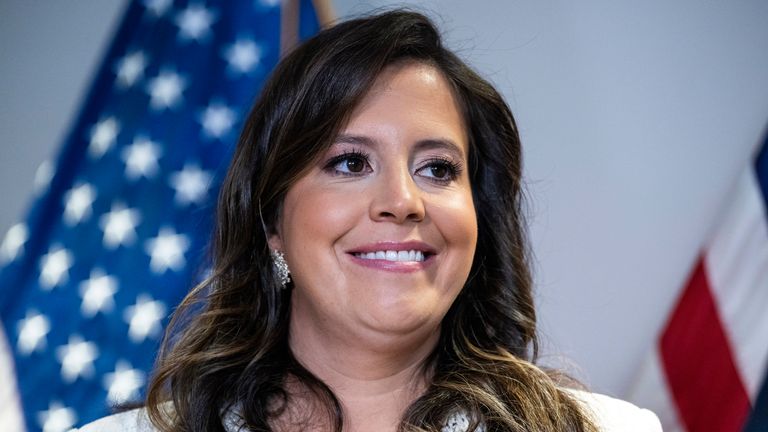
[{"x": 281, "y": 267}]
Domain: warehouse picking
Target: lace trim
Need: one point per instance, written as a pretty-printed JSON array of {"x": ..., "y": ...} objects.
[{"x": 459, "y": 422}]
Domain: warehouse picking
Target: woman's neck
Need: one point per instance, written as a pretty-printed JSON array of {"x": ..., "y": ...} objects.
[{"x": 375, "y": 382}]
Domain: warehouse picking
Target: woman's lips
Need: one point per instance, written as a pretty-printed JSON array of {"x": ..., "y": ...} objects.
[{"x": 402, "y": 257}]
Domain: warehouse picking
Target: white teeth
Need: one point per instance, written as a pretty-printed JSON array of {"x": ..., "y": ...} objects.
[{"x": 398, "y": 256}]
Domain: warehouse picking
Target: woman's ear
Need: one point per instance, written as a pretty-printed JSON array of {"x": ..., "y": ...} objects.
[{"x": 274, "y": 240}]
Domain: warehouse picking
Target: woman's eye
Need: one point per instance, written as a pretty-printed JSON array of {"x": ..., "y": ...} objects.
[
  {"x": 440, "y": 170},
  {"x": 351, "y": 165}
]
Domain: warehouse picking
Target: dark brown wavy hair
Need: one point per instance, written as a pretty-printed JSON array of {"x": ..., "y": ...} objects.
[{"x": 226, "y": 349}]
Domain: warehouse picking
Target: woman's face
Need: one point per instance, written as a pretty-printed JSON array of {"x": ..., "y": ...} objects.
[{"x": 380, "y": 233}]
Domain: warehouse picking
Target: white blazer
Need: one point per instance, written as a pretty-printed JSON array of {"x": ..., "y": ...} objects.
[{"x": 610, "y": 414}]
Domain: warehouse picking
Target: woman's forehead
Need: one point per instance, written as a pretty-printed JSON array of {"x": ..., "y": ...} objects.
[{"x": 414, "y": 94}]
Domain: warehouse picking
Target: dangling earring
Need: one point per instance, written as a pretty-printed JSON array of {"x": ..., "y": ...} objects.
[{"x": 281, "y": 266}]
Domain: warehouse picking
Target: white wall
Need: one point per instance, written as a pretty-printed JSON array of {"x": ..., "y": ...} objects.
[
  {"x": 49, "y": 51},
  {"x": 635, "y": 116}
]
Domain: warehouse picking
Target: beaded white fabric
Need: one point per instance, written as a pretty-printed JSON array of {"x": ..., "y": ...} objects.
[{"x": 459, "y": 422}]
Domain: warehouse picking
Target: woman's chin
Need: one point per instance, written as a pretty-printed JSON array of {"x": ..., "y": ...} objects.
[{"x": 401, "y": 322}]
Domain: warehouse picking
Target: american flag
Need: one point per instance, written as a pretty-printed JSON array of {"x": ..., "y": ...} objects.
[
  {"x": 707, "y": 372},
  {"x": 119, "y": 230}
]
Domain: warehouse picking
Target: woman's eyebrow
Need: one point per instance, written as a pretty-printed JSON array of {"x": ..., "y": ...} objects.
[
  {"x": 425, "y": 144},
  {"x": 440, "y": 144},
  {"x": 354, "y": 139}
]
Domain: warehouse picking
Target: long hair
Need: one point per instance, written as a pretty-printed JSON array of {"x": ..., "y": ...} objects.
[{"x": 226, "y": 349}]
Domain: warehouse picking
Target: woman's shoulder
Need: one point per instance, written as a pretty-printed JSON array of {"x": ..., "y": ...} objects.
[
  {"x": 135, "y": 420},
  {"x": 610, "y": 414},
  {"x": 614, "y": 415}
]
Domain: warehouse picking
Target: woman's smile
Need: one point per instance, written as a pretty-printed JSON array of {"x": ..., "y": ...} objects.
[{"x": 400, "y": 257}]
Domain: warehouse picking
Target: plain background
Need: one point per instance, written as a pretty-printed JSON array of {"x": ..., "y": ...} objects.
[{"x": 636, "y": 118}]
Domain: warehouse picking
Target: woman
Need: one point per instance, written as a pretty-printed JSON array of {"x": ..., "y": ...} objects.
[{"x": 370, "y": 265}]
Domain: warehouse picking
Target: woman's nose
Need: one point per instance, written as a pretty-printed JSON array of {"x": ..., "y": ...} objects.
[{"x": 397, "y": 198}]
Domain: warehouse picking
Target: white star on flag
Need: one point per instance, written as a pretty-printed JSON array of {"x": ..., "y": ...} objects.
[
  {"x": 76, "y": 358},
  {"x": 194, "y": 22},
  {"x": 32, "y": 332},
  {"x": 191, "y": 184},
  {"x": 119, "y": 225},
  {"x": 43, "y": 176},
  {"x": 123, "y": 384},
  {"x": 167, "y": 250},
  {"x": 97, "y": 293},
  {"x": 157, "y": 7},
  {"x": 131, "y": 69},
  {"x": 270, "y": 3},
  {"x": 165, "y": 90},
  {"x": 13, "y": 243},
  {"x": 243, "y": 56},
  {"x": 143, "y": 318},
  {"x": 78, "y": 201},
  {"x": 55, "y": 267},
  {"x": 141, "y": 158},
  {"x": 217, "y": 120},
  {"x": 57, "y": 418},
  {"x": 103, "y": 135}
]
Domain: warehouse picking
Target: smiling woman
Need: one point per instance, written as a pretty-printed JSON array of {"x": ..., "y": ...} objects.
[
  {"x": 370, "y": 265},
  {"x": 381, "y": 232}
]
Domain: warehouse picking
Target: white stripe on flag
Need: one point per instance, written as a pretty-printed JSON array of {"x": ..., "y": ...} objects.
[
  {"x": 650, "y": 391},
  {"x": 10, "y": 407},
  {"x": 737, "y": 266}
]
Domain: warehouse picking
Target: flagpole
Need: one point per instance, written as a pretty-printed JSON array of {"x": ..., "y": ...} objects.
[
  {"x": 289, "y": 25},
  {"x": 289, "y": 21},
  {"x": 325, "y": 13}
]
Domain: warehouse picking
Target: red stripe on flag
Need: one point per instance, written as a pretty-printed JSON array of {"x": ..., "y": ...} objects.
[{"x": 699, "y": 365}]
